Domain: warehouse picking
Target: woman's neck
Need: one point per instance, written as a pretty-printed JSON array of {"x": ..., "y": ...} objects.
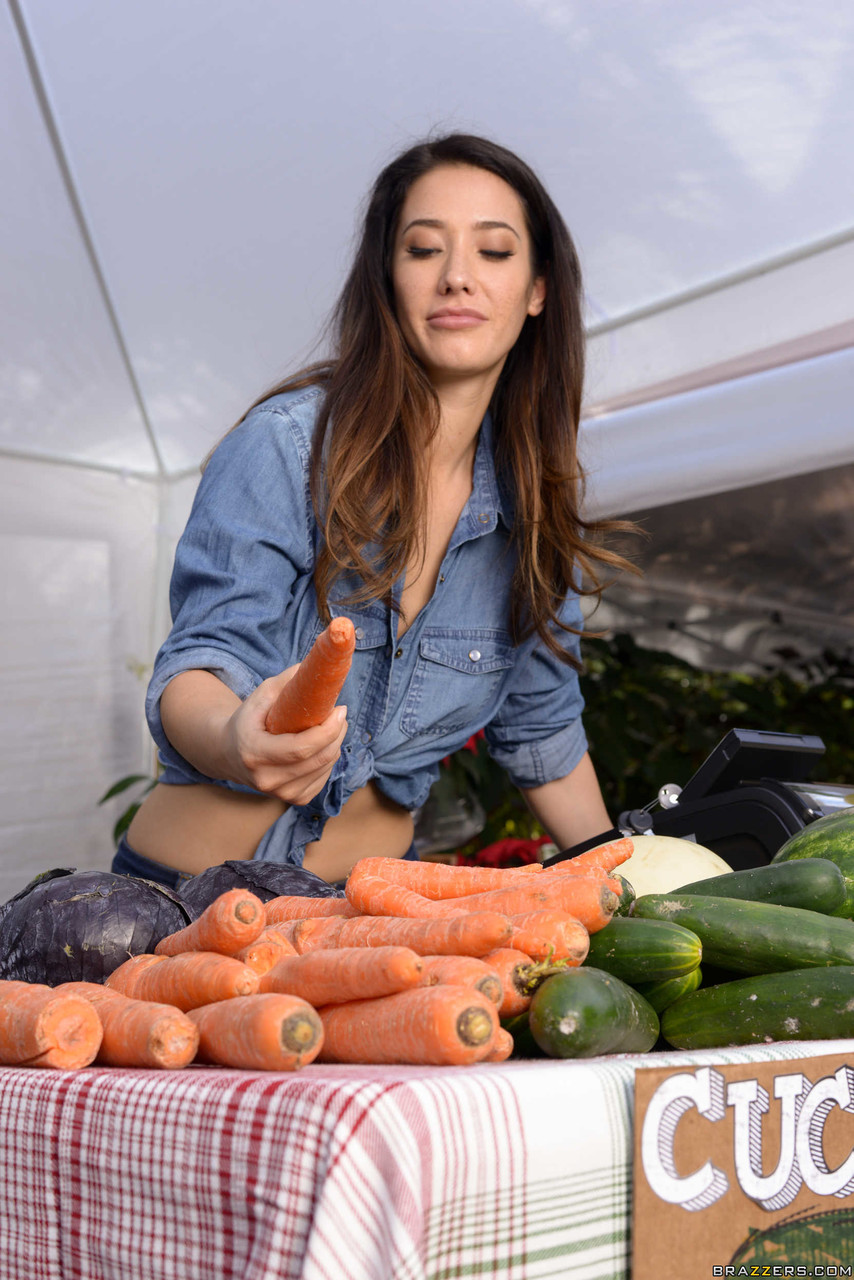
[{"x": 462, "y": 410}]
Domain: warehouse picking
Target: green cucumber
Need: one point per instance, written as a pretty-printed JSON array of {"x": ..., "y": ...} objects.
[
  {"x": 627, "y": 896},
  {"x": 586, "y": 1012},
  {"x": 644, "y": 950},
  {"x": 801, "y": 1004},
  {"x": 754, "y": 937},
  {"x": 829, "y": 837},
  {"x": 816, "y": 884},
  {"x": 524, "y": 1044},
  {"x": 663, "y": 994}
]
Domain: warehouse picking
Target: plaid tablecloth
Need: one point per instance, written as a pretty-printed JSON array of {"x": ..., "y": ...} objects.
[{"x": 513, "y": 1170}]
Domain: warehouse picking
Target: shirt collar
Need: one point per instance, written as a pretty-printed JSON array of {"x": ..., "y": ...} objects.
[{"x": 489, "y": 496}]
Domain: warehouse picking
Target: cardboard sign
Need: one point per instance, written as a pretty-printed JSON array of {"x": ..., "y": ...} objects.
[{"x": 744, "y": 1170}]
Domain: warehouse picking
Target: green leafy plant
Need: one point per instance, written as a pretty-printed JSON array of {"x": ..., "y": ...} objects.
[
  {"x": 124, "y": 784},
  {"x": 652, "y": 718}
]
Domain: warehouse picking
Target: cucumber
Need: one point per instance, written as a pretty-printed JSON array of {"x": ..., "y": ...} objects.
[
  {"x": 801, "y": 1004},
  {"x": 644, "y": 950},
  {"x": 754, "y": 937},
  {"x": 586, "y": 1012},
  {"x": 524, "y": 1044},
  {"x": 829, "y": 837},
  {"x": 816, "y": 884},
  {"x": 663, "y": 994},
  {"x": 627, "y": 896}
]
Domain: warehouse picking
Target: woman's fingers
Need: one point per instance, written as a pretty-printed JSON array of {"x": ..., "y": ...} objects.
[{"x": 292, "y": 766}]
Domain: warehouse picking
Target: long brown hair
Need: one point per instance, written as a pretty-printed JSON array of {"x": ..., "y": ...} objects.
[{"x": 368, "y": 471}]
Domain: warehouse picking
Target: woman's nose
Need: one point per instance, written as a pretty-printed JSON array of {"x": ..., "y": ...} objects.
[{"x": 457, "y": 276}]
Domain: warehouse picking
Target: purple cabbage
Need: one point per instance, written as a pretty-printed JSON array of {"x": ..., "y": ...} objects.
[
  {"x": 78, "y": 926},
  {"x": 265, "y": 879}
]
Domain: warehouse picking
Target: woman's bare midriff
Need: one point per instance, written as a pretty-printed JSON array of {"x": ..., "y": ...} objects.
[{"x": 192, "y": 827}]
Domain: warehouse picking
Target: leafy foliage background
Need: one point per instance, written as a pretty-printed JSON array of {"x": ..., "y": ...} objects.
[{"x": 652, "y": 718}]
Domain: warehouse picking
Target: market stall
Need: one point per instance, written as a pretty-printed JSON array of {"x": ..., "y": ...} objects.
[{"x": 520, "y": 1170}]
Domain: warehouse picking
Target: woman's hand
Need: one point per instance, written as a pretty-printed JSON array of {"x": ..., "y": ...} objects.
[
  {"x": 226, "y": 739},
  {"x": 292, "y": 766}
]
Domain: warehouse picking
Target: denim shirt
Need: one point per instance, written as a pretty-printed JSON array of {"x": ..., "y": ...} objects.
[{"x": 244, "y": 607}]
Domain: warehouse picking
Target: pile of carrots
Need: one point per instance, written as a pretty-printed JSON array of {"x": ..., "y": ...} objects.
[{"x": 418, "y": 963}]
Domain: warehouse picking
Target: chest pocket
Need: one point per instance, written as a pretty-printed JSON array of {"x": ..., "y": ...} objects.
[{"x": 456, "y": 679}]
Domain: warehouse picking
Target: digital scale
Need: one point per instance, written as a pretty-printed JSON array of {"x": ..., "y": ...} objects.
[{"x": 744, "y": 802}]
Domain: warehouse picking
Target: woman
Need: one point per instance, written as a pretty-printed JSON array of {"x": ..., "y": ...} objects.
[{"x": 424, "y": 482}]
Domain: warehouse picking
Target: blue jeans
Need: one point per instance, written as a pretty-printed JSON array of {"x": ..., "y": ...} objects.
[{"x": 127, "y": 862}]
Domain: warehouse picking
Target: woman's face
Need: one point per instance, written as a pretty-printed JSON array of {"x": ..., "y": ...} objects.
[{"x": 462, "y": 272}]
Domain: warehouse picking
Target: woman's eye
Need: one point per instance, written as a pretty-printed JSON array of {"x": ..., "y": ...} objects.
[
  {"x": 417, "y": 251},
  {"x": 497, "y": 253}
]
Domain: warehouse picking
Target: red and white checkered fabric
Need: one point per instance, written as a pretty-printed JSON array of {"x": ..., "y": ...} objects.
[{"x": 518, "y": 1170}]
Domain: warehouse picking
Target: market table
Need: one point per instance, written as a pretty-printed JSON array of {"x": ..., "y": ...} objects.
[{"x": 519, "y": 1169}]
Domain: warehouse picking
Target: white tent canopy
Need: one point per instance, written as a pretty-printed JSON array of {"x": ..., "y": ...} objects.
[{"x": 181, "y": 181}]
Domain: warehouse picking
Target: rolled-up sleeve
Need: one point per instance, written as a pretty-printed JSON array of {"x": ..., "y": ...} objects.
[
  {"x": 246, "y": 548},
  {"x": 537, "y": 734}
]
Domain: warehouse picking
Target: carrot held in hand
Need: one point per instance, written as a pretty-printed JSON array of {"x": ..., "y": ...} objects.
[
  {"x": 440, "y": 1026},
  {"x": 43, "y": 1027},
  {"x": 309, "y": 697},
  {"x": 231, "y": 922},
  {"x": 138, "y": 1033},
  {"x": 187, "y": 981},
  {"x": 345, "y": 973},
  {"x": 271, "y": 1032}
]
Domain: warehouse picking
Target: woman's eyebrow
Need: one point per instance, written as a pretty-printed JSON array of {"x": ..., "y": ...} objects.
[{"x": 486, "y": 224}]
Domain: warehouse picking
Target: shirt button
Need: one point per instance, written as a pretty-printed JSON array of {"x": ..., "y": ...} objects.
[
  {"x": 474, "y": 654},
  {"x": 366, "y": 736},
  {"x": 441, "y": 577},
  {"x": 484, "y": 517},
  {"x": 398, "y": 653},
  {"x": 360, "y": 633}
]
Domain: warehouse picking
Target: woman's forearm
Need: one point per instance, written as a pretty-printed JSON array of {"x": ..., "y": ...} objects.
[
  {"x": 195, "y": 708},
  {"x": 571, "y": 809}
]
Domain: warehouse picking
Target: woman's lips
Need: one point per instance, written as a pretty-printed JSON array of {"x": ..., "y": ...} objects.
[{"x": 455, "y": 319}]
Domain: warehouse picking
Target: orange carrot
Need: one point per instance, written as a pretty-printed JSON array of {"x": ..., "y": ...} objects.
[
  {"x": 375, "y": 896},
  {"x": 289, "y": 907},
  {"x": 550, "y": 935},
  {"x": 124, "y": 978},
  {"x": 520, "y": 976},
  {"x": 42, "y": 1027},
  {"x": 606, "y": 857},
  {"x": 464, "y": 971},
  {"x": 138, "y": 1033},
  {"x": 441, "y": 1025},
  {"x": 187, "y": 981},
  {"x": 262, "y": 955},
  {"x": 270, "y": 1032},
  {"x": 316, "y": 934},
  {"x": 502, "y": 1047},
  {"x": 590, "y": 898},
  {"x": 231, "y": 922},
  {"x": 309, "y": 697},
  {"x": 436, "y": 880},
  {"x": 345, "y": 973},
  {"x": 469, "y": 935}
]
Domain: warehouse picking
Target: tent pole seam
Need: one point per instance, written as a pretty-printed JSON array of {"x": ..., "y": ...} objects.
[
  {"x": 720, "y": 283},
  {"x": 80, "y": 219}
]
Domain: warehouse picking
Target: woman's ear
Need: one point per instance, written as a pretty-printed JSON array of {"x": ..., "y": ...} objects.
[{"x": 538, "y": 296}]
